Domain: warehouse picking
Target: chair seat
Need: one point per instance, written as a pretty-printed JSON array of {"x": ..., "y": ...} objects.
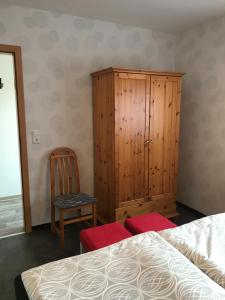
[{"x": 73, "y": 200}]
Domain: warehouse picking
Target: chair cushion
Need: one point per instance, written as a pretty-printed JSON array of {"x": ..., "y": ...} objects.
[
  {"x": 73, "y": 200},
  {"x": 98, "y": 237},
  {"x": 148, "y": 222}
]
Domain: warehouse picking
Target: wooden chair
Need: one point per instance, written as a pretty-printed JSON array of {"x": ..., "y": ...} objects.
[{"x": 64, "y": 178}]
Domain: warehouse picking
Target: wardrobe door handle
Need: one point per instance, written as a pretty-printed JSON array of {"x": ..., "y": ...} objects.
[{"x": 147, "y": 142}]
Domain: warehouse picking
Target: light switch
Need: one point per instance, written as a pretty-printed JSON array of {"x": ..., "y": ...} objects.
[{"x": 36, "y": 137}]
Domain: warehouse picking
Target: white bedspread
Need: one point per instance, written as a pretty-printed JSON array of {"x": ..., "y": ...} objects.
[
  {"x": 202, "y": 242},
  {"x": 139, "y": 268}
]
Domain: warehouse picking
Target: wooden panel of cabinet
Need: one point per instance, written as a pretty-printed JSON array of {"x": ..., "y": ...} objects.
[{"x": 130, "y": 130}]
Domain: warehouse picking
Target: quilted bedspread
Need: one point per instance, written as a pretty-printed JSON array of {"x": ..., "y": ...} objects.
[
  {"x": 203, "y": 243},
  {"x": 141, "y": 267}
]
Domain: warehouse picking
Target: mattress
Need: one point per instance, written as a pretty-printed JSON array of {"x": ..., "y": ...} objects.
[
  {"x": 203, "y": 243},
  {"x": 141, "y": 267}
]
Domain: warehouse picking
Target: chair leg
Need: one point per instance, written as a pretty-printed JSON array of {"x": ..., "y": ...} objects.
[
  {"x": 53, "y": 218},
  {"x": 94, "y": 213},
  {"x": 61, "y": 228},
  {"x": 82, "y": 249}
]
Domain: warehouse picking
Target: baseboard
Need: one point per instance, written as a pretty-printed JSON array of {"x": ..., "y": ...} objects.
[
  {"x": 179, "y": 206},
  {"x": 49, "y": 224}
]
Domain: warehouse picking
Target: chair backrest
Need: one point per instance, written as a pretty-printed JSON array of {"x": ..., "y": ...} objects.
[{"x": 64, "y": 174}]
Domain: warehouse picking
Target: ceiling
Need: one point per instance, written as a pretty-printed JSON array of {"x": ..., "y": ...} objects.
[{"x": 165, "y": 15}]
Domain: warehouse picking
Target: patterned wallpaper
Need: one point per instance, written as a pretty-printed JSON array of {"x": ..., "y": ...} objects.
[
  {"x": 59, "y": 52},
  {"x": 201, "y": 54}
]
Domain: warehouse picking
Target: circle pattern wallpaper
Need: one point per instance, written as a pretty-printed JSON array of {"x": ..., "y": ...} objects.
[
  {"x": 200, "y": 54},
  {"x": 59, "y": 52}
]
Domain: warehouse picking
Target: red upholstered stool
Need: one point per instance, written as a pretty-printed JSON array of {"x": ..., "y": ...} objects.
[
  {"x": 98, "y": 237},
  {"x": 148, "y": 222}
]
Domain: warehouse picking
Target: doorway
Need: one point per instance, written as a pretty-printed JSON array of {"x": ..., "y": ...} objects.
[{"x": 14, "y": 183}]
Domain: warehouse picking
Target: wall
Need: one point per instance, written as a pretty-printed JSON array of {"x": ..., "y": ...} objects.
[
  {"x": 59, "y": 52},
  {"x": 10, "y": 180},
  {"x": 201, "y": 54}
]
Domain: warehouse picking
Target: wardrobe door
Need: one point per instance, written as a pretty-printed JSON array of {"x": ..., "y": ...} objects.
[
  {"x": 164, "y": 134},
  {"x": 132, "y": 137}
]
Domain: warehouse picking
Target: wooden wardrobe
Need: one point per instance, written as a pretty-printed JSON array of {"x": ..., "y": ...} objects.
[{"x": 136, "y": 139}]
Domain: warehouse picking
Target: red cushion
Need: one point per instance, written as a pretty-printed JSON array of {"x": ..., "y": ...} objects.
[
  {"x": 97, "y": 237},
  {"x": 148, "y": 222}
]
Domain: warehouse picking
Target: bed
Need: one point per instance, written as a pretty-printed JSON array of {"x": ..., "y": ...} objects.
[
  {"x": 142, "y": 267},
  {"x": 203, "y": 243}
]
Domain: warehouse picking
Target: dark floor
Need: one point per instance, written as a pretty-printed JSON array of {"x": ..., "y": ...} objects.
[
  {"x": 186, "y": 215},
  {"x": 22, "y": 252}
]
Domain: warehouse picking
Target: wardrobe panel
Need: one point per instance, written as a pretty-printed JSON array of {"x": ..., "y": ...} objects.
[
  {"x": 131, "y": 125},
  {"x": 103, "y": 118},
  {"x": 164, "y": 97}
]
